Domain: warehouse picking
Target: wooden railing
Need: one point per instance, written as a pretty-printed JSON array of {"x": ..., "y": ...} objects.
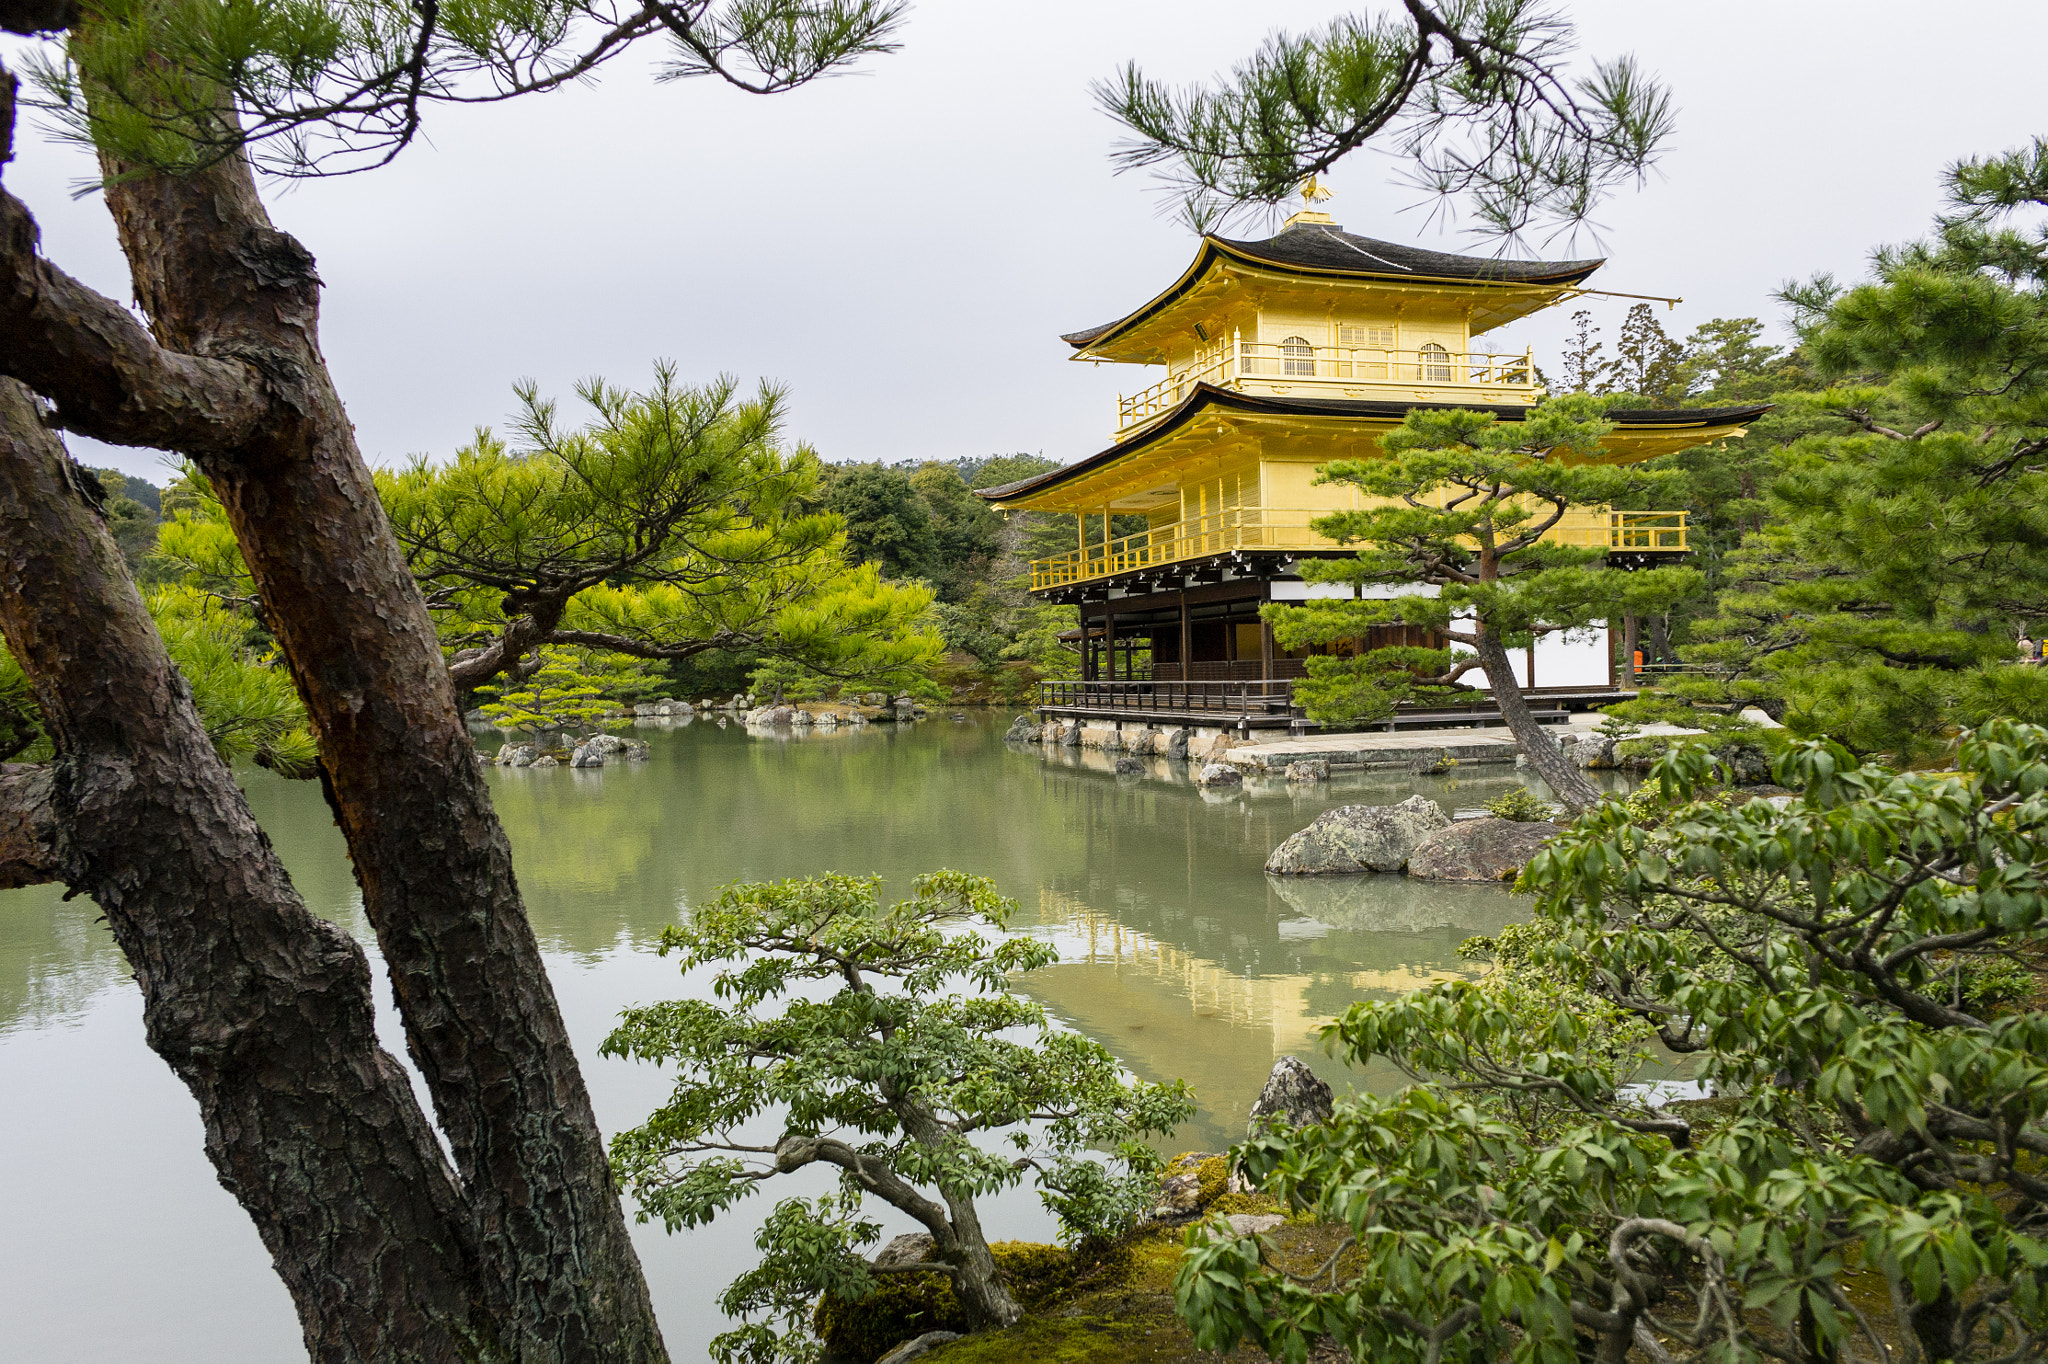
[
  {"x": 1275, "y": 367},
  {"x": 1237, "y": 699},
  {"x": 1290, "y": 528}
]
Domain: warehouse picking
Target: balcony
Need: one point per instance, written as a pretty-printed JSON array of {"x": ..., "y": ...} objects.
[
  {"x": 1270, "y": 528},
  {"x": 1430, "y": 374}
]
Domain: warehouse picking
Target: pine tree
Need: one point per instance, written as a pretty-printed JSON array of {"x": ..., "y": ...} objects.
[{"x": 1582, "y": 368}]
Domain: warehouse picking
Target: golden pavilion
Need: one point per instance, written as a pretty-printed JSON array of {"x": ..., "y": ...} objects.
[{"x": 1281, "y": 355}]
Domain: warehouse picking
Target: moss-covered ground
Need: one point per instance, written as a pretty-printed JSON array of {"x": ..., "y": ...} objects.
[{"x": 1131, "y": 1320}]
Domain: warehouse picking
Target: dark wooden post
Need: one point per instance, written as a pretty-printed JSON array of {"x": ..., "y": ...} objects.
[
  {"x": 1265, "y": 650},
  {"x": 1187, "y": 641},
  {"x": 1087, "y": 649},
  {"x": 1109, "y": 640}
]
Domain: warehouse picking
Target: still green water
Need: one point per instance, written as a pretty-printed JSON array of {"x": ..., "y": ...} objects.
[{"x": 1178, "y": 953}]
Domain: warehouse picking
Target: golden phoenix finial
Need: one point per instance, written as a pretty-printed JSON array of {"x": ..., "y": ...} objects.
[{"x": 1313, "y": 193}]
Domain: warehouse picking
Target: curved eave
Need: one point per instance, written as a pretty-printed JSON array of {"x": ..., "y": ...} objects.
[
  {"x": 1704, "y": 423},
  {"x": 1214, "y": 249}
]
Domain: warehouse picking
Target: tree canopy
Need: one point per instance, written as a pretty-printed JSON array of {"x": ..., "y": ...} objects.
[
  {"x": 1906, "y": 541},
  {"x": 672, "y": 524},
  {"x": 905, "y": 1079},
  {"x": 1465, "y": 501},
  {"x": 1839, "y": 972}
]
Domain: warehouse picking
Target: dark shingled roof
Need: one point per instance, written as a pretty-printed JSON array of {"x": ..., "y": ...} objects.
[
  {"x": 1206, "y": 396},
  {"x": 1328, "y": 249}
]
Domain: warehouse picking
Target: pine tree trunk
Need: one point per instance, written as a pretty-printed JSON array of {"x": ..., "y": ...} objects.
[
  {"x": 1660, "y": 639},
  {"x": 401, "y": 773},
  {"x": 1546, "y": 759},
  {"x": 260, "y": 1007},
  {"x": 1631, "y": 641}
]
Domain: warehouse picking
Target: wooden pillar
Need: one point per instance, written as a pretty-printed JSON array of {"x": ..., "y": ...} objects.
[
  {"x": 1187, "y": 641},
  {"x": 1265, "y": 650},
  {"x": 1087, "y": 649},
  {"x": 1109, "y": 640}
]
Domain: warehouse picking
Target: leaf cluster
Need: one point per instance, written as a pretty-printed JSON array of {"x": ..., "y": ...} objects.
[
  {"x": 1477, "y": 97},
  {"x": 1870, "y": 1128},
  {"x": 833, "y": 1033}
]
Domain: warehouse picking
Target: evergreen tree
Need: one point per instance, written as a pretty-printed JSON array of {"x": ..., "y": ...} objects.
[
  {"x": 1910, "y": 546},
  {"x": 1648, "y": 363},
  {"x": 1582, "y": 370},
  {"x": 1463, "y": 505}
]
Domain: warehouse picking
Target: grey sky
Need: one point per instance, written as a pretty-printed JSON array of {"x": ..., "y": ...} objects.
[{"x": 902, "y": 247}]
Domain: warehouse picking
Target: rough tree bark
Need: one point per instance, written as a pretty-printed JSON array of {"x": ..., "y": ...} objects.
[
  {"x": 233, "y": 378},
  {"x": 1546, "y": 759},
  {"x": 261, "y": 1008}
]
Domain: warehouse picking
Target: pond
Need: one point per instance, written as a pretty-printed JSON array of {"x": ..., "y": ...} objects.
[{"x": 1177, "y": 952}]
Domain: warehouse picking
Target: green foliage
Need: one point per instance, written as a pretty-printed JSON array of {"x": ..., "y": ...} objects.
[
  {"x": 245, "y": 699},
  {"x": 1491, "y": 117},
  {"x": 324, "y": 88},
  {"x": 1909, "y": 537},
  {"x": 21, "y": 719},
  {"x": 1521, "y": 805},
  {"x": 829, "y": 1017},
  {"x": 1870, "y": 1128},
  {"x": 888, "y": 523},
  {"x": 673, "y": 523},
  {"x": 567, "y": 689},
  {"x": 1467, "y": 502},
  {"x": 905, "y": 1306}
]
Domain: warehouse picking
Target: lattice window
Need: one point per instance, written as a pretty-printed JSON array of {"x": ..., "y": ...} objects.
[
  {"x": 1379, "y": 338},
  {"x": 1297, "y": 356},
  {"x": 1436, "y": 363}
]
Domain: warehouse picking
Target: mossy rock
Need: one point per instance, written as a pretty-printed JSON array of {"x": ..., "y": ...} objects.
[
  {"x": 905, "y": 1306},
  {"x": 1192, "y": 1181}
]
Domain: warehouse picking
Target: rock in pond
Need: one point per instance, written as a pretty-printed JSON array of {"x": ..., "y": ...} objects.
[
  {"x": 587, "y": 755},
  {"x": 1309, "y": 769},
  {"x": 1220, "y": 774},
  {"x": 1129, "y": 767},
  {"x": 1293, "y": 1095},
  {"x": 1356, "y": 838},
  {"x": 1479, "y": 850},
  {"x": 516, "y": 755},
  {"x": 1023, "y": 730}
]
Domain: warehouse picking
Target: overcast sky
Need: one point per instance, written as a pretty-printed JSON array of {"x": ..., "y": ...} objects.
[{"x": 903, "y": 246}]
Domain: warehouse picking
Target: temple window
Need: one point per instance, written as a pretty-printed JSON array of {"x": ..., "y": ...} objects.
[
  {"x": 1297, "y": 356},
  {"x": 1436, "y": 363}
]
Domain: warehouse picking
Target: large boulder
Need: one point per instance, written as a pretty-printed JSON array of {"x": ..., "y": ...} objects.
[
  {"x": 1025, "y": 729},
  {"x": 1479, "y": 850},
  {"x": 1356, "y": 838},
  {"x": 1293, "y": 1095},
  {"x": 1177, "y": 744},
  {"x": 1219, "y": 774},
  {"x": 1129, "y": 767},
  {"x": 586, "y": 755},
  {"x": 1309, "y": 769},
  {"x": 517, "y": 755}
]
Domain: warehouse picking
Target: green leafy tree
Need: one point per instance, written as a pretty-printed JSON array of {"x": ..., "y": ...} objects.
[
  {"x": 887, "y": 523},
  {"x": 1475, "y": 96},
  {"x": 1868, "y": 1185},
  {"x": 1462, "y": 505},
  {"x": 966, "y": 535},
  {"x": 895, "y": 1083}
]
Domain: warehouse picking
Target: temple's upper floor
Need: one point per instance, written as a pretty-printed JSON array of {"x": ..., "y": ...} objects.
[{"x": 1317, "y": 312}]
